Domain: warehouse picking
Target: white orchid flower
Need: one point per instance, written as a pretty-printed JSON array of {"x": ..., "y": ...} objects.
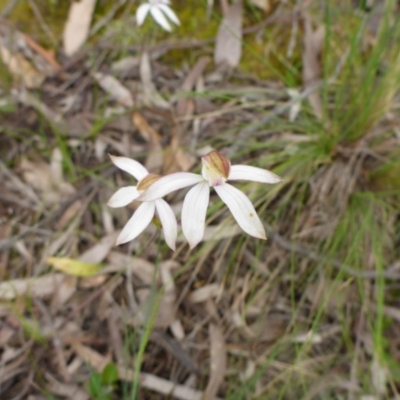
[
  {"x": 216, "y": 171},
  {"x": 145, "y": 212},
  {"x": 160, "y": 11}
]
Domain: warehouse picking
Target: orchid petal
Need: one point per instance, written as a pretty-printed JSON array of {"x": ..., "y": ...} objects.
[
  {"x": 131, "y": 166},
  {"x": 159, "y": 17},
  {"x": 194, "y": 213},
  {"x": 168, "y": 222},
  {"x": 123, "y": 197},
  {"x": 137, "y": 223},
  {"x": 169, "y": 13},
  {"x": 141, "y": 13},
  {"x": 242, "y": 210},
  {"x": 249, "y": 173},
  {"x": 170, "y": 183}
]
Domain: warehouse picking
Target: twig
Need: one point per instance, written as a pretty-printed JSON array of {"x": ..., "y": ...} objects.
[
  {"x": 354, "y": 368},
  {"x": 26, "y": 98},
  {"x": 313, "y": 255},
  {"x": 8, "y": 8},
  {"x": 107, "y": 18},
  {"x": 175, "y": 348},
  {"x": 20, "y": 201},
  {"x": 71, "y": 62},
  {"x": 46, "y": 54},
  {"x": 293, "y": 37},
  {"x": 91, "y": 70},
  {"x": 42, "y": 22},
  {"x": 24, "y": 189}
]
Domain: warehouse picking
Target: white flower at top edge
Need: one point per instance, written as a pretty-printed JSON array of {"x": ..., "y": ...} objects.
[
  {"x": 145, "y": 212},
  {"x": 160, "y": 11},
  {"x": 216, "y": 171}
]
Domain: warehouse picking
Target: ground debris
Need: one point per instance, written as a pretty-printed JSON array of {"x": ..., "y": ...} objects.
[{"x": 285, "y": 318}]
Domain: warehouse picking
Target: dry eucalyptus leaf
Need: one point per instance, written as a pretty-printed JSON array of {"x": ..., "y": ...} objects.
[
  {"x": 100, "y": 250},
  {"x": 56, "y": 165},
  {"x": 124, "y": 65},
  {"x": 177, "y": 159},
  {"x": 21, "y": 69},
  {"x": 46, "y": 179},
  {"x": 189, "y": 83},
  {"x": 90, "y": 356},
  {"x": 64, "y": 292},
  {"x": 307, "y": 337},
  {"x": 164, "y": 316},
  {"x": 141, "y": 268},
  {"x": 115, "y": 89},
  {"x": 35, "y": 287},
  {"x": 154, "y": 160},
  {"x": 313, "y": 42},
  {"x": 217, "y": 361},
  {"x": 38, "y": 175},
  {"x": 67, "y": 390},
  {"x": 228, "y": 48},
  {"x": 151, "y": 95},
  {"x": 266, "y": 329},
  {"x": 177, "y": 329},
  {"x": 263, "y": 4},
  {"x": 204, "y": 293},
  {"x": 6, "y": 333},
  {"x": 147, "y": 132},
  {"x": 169, "y": 389},
  {"x": 76, "y": 29}
]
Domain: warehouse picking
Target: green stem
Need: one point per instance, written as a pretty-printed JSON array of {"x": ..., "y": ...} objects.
[{"x": 150, "y": 318}]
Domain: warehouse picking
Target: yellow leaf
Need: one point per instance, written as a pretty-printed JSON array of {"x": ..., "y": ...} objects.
[{"x": 74, "y": 267}]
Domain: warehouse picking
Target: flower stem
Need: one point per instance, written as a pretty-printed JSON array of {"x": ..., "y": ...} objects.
[{"x": 150, "y": 318}]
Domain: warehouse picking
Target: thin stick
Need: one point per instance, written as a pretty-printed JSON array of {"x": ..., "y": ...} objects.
[
  {"x": 42, "y": 23},
  {"x": 107, "y": 18},
  {"x": 8, "y": 8},
  {"x": 313, "y": 255}
]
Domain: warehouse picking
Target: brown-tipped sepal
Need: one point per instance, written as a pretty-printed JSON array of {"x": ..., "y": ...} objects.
[
  {"x": 147, "y": 181},
  {"x": 216, "y": 168}
]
